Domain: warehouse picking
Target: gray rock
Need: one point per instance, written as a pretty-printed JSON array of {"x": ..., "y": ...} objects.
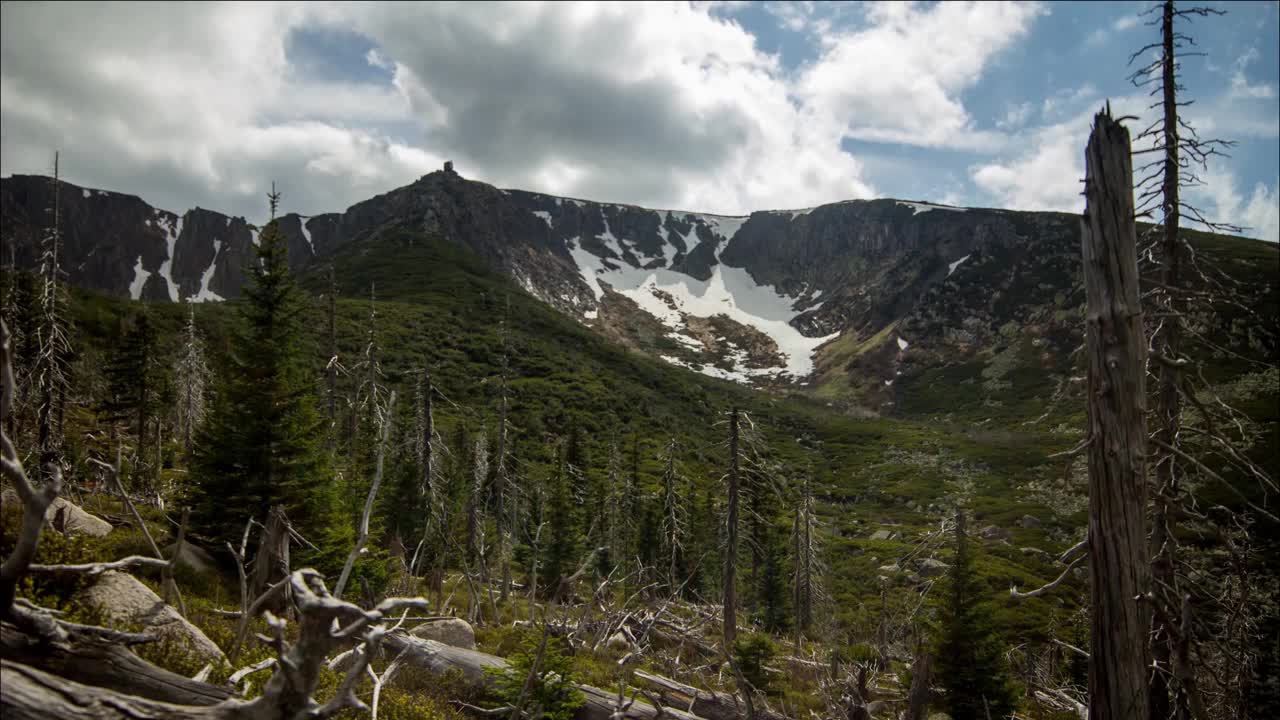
[
  {"x": 196, "y": 558},
  {"x": 881, "y": 535},
  {"x": 1029, "y": 522},
  {"x": 1080, "y": 573},
  {"x": 125, "y": 600},
  {"x": 991, "y": 532},
  {"x": 890, "y": 569},
  {"x": 78, "y": 522},
  {"x": 1036, "y": 553},
  {"x": 933, "y": 568},
  {"x": 450, "y": 631}
]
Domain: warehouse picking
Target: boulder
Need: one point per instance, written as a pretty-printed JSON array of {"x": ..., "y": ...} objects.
[
  {"x": 890, "y": 569},
  {"x": 991, "y": 532},
  {"x": 196, "y": 558},
  {"x": 882, "y": 535},
  {"x": 450, "y": 631},
  {"x": 126, "y": 601},
  {"x": 77, "y": 521},
  {"x": 1029, "y": 522},
  {"x": 1036, "y": 553},
  {"x": 933, "y": 568}
]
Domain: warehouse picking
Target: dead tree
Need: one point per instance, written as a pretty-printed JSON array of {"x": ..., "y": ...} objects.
[
  {"x": 1179, "y": 152},
  {"x": 806, "y": 561},
  {"x": 674, "y": 514},
  {"x": 54, "y": 348},
  {"x": 1118, "y": 556},
  {"x": 191, "y": 377},
  {"x": 81, "y": 655},
  {"x": 388, "y": 413},
  {"x": 505, "y": 524},
  {"x": 730, "y": 589},
  {"x": 331, "y": 367}
]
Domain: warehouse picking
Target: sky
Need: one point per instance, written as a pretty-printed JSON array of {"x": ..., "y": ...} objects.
[{"x": 720, "y": 107}]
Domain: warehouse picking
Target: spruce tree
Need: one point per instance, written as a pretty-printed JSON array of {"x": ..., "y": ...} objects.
[
  {"x": 971, "y": 664},
  {"x": 133, "y": 380},
  {"x": 261, "y": 445}
]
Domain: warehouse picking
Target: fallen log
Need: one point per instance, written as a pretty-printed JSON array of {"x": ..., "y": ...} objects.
[
  {"x": 32, "y": 694},
  {"x": 438, "y": 658},
  {"x": 89, "y": 660},
  {"x": 707, "y": 704}
]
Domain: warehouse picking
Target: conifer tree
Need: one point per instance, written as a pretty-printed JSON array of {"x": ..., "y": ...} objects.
[
  {"x": 971, "y": 665},
  {"x": 261, "y": 444},
  {"x": 191, "y": 378},
  {"x": 560, "y": 536},
  {"x": 133, "y": 380}
]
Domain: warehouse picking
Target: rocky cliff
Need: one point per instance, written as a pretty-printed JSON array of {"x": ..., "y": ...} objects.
[{"x": 854, "y": 300}]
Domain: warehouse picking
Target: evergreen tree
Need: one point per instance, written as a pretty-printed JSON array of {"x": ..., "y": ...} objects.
[
  {"x": 261, "y": 444},
  {"x": 134, "y": 382},
  {"x": 971, "y": 664},
  {"x": 560, "y": 536}
]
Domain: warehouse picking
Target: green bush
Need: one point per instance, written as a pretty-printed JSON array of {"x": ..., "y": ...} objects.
[
  {"x": 751, "y": 655},
  {"x": 553, "y": 694}
]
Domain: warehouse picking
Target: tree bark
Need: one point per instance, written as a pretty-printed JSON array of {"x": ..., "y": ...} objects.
[
  {"x": 1118, "y": 553},
  {"x": 101, "y": 663},
  {"x": 921, "y": 679},
  {"x": 731, "y": 541}
]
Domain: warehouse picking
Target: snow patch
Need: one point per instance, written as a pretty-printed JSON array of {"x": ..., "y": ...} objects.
[
  {"x": 918, "y": 208},
  {"x": 952, "y": 267},
  {"x": 100, "y": 192},
  {"x": 205, "y": 293},
  {"x": 591, "y": 314},
  {"x": 139, "y": 280},
  {"x": 306, "y": 235},
  {"x": 902, "y": 344},
  {"x": 730, "y": 291},
  {"x": 172, "y": 232},
  {"x": 253, "y": 236},
  {"x": 86, "y": 193},
  {"x": 546, "y": 216},
  {"x": 887, "y": 383}
]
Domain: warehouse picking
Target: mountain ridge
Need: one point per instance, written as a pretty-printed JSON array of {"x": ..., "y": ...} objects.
[{"x": 844, "y": 298}]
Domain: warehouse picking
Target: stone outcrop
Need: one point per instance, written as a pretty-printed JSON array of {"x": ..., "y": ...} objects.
[
  {"x": 126, "y": 601},
  {"x": 450, "y": 631},
  {"x": 73, "y": 519}
]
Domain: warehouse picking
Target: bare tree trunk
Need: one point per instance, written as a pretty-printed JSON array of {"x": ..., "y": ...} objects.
[
  {"x": 331, "y": 368},
  {"x": 921, "y": 679},
  {"x": 731, "y": 541},
  {"x": 1168, "y": 401},
  {"x": 1118, "y": 555},
  {"x": 271, "y": 564}
]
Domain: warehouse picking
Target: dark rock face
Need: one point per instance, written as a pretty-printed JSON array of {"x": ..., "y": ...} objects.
[{"x": 907, "y": 285}]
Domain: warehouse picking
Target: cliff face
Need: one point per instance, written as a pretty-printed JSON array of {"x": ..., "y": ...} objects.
[{"x": 852, "y": 299}]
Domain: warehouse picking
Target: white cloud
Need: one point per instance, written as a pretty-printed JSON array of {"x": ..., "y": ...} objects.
[
  {"x": 1240, "y": 85},
  {"x": 899, "y": 79},
  {"x": 1258, "y": 212},
  {"x": 1015, "y": 116},
  {"x": 1047, "y": 173}
]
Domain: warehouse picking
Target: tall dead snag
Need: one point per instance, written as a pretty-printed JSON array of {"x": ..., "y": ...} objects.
[
  {"x": 388, "y": 413},
  {"x": 331, "y": 367},
  {"x": 1118, "y": 555},
  {"x": 731, "y": 538},
  {"x": 54, "y": 349},
  {"x": 673, "y": 518}
]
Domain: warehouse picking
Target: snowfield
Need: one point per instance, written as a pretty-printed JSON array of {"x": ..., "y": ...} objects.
[{"x": 669, "y": 296}]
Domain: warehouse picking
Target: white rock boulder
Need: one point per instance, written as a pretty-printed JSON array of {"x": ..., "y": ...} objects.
[
  {"x": 125, "y": 600},
  {"x": 77, "y": 521},
  {"x": 450, "y": 631}
]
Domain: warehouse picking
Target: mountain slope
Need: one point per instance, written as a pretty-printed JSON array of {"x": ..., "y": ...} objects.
[{"x": 857, "y": 301}]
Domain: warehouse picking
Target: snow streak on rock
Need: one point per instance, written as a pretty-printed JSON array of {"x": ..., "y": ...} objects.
[
  {"x": 926, "y": 207},
  {"x": 670, "y": 296},
  {"x": 139, "y": 280},
  {"x": 952, "y": 266},
  {"x": 205, "y": 293},
  {"x": 173, "y": 228}
]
